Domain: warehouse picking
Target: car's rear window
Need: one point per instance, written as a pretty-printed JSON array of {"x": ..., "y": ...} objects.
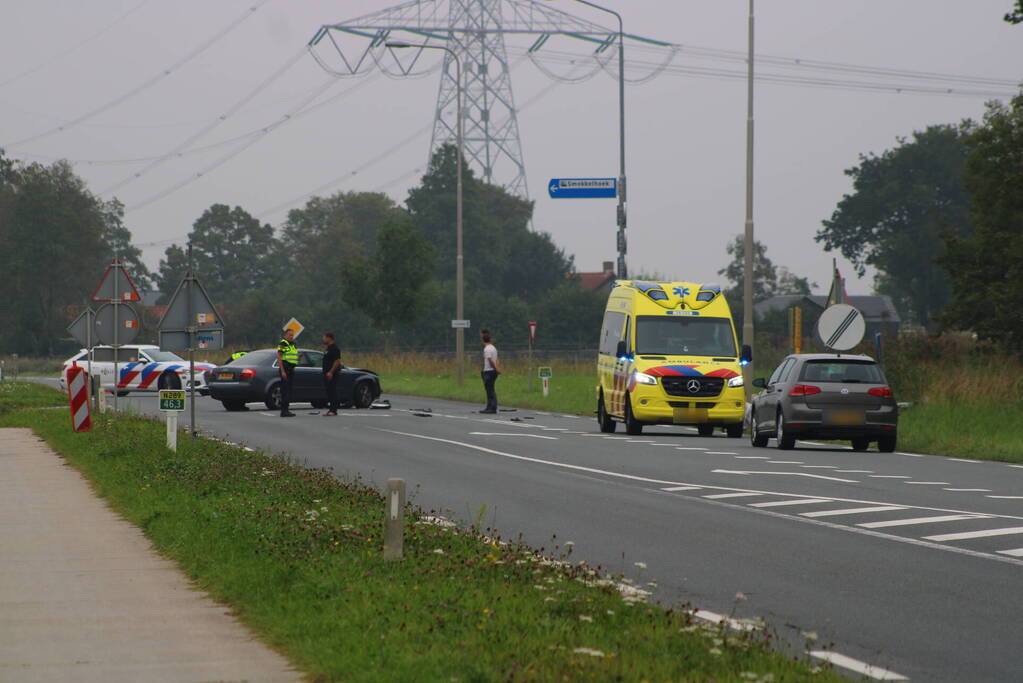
[
  {"x": 845, "y": 371},
  {"x": 261, "y": 357}
]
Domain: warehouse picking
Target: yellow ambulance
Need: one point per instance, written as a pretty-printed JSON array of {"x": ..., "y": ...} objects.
[{"x": 668, "y": 354}]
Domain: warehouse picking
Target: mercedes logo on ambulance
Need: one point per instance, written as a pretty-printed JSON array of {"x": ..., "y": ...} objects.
[{"x": 692, "y": 386}]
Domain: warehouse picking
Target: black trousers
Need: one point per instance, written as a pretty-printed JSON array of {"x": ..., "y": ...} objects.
[
  {"x": 489, "y": 379},
  {"x": 333, "y": 402},
  {"x": 286, "y": 383}
]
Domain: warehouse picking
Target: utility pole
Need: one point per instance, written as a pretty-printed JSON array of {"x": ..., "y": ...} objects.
[{"x": 747, "y": 284}]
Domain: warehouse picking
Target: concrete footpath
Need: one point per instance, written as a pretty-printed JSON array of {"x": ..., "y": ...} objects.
[{"x": 84, "y": 597}]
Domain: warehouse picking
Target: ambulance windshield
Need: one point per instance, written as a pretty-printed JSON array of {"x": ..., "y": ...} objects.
[{"x": 684, "y": 336}]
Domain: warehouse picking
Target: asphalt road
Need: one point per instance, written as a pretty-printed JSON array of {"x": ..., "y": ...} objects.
[{"x": 911, "y": 565}]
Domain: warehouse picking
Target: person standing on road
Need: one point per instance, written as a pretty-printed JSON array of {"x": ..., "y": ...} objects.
[
  {"x": 331, "y": 370},
  {"x": 490, "y": 371},
  {"x": 287, "y": 359}
]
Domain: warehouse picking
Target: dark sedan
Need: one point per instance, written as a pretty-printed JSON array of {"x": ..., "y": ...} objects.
[
  {"x": 256, "y": 377},
  {"x": 825, "y": 396}
]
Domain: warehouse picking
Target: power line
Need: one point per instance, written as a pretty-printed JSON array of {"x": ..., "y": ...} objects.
[
  {"x": 148, "y": 83},
  {"x": 77, "y": 46},
  {"x": 231, "y": 111}
]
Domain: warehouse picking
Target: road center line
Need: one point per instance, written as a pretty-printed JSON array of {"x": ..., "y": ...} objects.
[
  {"x": 928, "y": 483},
  {"x": 719, "y": 496},
  {"x": 682, "y": 488},
  {"x": 974, "y": 490},
  {"x": 531, "y": 436},
  {"x": 890, "y": 476}
]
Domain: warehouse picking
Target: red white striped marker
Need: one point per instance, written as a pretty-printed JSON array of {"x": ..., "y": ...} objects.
[{"x": 77, "y": 389}]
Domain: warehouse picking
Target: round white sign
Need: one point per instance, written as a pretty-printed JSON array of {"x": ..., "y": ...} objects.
[{"x": 841, "y": 327}]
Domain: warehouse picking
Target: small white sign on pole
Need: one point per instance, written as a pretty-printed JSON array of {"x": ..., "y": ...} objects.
[{"x": 463, "y": 324}]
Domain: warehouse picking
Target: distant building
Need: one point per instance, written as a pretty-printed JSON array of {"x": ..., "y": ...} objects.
[
  {"x": 878, "y": 311},
  {"x": 596, "y": 281}
]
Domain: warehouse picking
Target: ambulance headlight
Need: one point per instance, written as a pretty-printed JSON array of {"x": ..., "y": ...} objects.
[
  {"x": 735, "y": 382},
  {"x": 643, "y": 378}
]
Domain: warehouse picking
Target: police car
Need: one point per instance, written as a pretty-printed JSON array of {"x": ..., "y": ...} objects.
[{"x": 140, "y": 367}]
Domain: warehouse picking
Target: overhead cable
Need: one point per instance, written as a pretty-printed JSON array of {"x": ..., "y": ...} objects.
[
  {"x": 76, "y": 46},
  {"x": 147, "y": 83}
]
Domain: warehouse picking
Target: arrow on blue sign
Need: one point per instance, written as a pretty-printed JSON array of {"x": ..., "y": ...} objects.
[{"x": 583, "y": 188}]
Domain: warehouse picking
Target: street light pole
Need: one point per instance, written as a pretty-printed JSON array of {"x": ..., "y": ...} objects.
[
  {"x": 622, "y": 247},
  {"x": 747, "y": 279},
  {"x": 459, "y": 262}
]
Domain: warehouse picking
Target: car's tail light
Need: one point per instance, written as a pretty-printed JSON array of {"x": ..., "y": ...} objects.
[
  {"x": 880, "y": 392},
  {"x": 247, "y": 373},
  {"x": 804, "y": 390}
]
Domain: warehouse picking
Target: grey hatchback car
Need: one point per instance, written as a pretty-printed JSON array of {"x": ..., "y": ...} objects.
[{"x": 825, "y": 396}]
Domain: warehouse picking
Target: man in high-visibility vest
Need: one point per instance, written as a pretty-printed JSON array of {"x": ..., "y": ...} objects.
[
  {"x": 238, "y": 354},
  {"x": 287, "y": 359}
]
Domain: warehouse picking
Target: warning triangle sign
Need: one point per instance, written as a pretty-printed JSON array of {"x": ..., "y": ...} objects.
[{"x": 115, "y": 285}]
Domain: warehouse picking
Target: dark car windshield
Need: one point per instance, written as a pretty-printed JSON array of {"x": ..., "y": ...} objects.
[
  {"x": 841, "y": 370},
  {"x": 261, "y": 357},
  {"x": 684, "y": 336}
]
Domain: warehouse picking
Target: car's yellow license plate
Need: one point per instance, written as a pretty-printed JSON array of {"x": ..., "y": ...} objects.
[
  {"x": 225, "y": 375},
  {"x": 847, "y": 417}
]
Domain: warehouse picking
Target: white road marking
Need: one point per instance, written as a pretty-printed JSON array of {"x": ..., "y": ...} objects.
[
  {"x": 890, "y": 476},
  {"x": 617, "y": 438},
  {"x": 783, "y": 503},
  {"x": 852, "y": 511},
  {"x": 720, "y": 453},
  {"x": 1016, "y": 552},
  {"x": 1019, "y": 466},
  {"x": 818, "y": 467},
  {"x": 575, "y": 432},
  {"x": 717, "y": 496},
  {"x": 927, "y": 483},
  {"x": 979, "y": 490},
  {"x": 923, "y": 543},
  {"x": 670, "y": 445},
  {"x": 690, "y": 448},
  {"x": 1006, "y": 497},
  {"x": 639, "y": 441},
  {"x": 962, "y": 536},
  {"x": 919, "y": 520},
  {"x": 912, "y": 455},
  {"x": 715, "y": 618},
  {"x": 855, "y": 471},
  {"x": 682, "y": 488},
  {"x": 875, "y": 672},
  {"x": 785, "y": 462},
  {"x": 751, "y": 457},
  {"x": 791, "y": 474},
  {"x": 964, "y": 460},
  {"x": 532, "y": 436},
  {"x": 553, "y": 429}
]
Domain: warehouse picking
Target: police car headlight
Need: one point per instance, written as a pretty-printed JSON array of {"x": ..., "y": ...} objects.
[
  {"x": 643, "y": 378},
  {"x": 735, "y": 382}
]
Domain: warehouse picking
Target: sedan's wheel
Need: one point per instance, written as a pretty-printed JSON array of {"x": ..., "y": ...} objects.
[
  {"x": 734, "y": 431},
  {"x": 860, "y": 444},
  {"x": 786, "y": 442},
  {"x": 234, "y": 406},
  {"x": 886, "y": 444},
  {"x": 122, "y": 393},
  {"x": 705, "y": 430},
  {"x": 362, "y": 397},
  {"x": 169, "y": 380},
  {"x": 633, "y": 427},
  {"x": 756, "y": 437},
  {"x": 607, "y": 425},
  {"x": 273, "y": 397}
]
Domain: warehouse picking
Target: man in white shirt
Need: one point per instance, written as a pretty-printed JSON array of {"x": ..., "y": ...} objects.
[{"x": 490, "y": 371}]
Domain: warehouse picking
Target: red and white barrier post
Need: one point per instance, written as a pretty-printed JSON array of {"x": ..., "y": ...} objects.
[{"x": 78, "y": 395}]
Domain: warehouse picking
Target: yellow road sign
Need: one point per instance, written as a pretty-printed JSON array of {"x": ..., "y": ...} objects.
[{"x": 295, "y": 326}]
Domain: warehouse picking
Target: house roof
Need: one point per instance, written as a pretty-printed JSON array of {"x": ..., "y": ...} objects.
[
  {"x": 594, "y": 280},
  {"x": 875, "y": 308}
]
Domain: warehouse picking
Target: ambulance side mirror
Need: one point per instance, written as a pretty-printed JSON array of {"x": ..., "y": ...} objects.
[
  {"x": 747, "y": 355},
  {"x": 620, "y": 351}
]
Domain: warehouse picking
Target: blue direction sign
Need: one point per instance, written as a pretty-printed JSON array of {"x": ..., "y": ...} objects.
[{"x": 583, "y": 188}]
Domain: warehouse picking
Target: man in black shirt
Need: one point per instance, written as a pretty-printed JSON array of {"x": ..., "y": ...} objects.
[{"x": 331, "y": 371}]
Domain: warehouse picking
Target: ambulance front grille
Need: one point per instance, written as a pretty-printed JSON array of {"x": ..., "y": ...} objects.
[{"x": 693, "y": 386}]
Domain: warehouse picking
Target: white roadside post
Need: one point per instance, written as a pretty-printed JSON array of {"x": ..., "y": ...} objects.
[
  {"x": 394, "y": 525},
  {"x": 545, "y": 374},
  {"x": 172, "y": 401}
]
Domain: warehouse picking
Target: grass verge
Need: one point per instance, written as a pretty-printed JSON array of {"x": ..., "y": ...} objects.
[
  {"x": 297, "y": 554},
  {"x": 981, "y": 431}
]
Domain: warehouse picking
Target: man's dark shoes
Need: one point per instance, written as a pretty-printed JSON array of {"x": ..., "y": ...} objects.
[
  {"x": 330, "y": 413},
  {"x": 288, "y": 414},
  {"x": 488, "y": 412}
]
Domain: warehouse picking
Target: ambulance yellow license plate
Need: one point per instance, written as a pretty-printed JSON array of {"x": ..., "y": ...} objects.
[{"x": 847, "y": 417}]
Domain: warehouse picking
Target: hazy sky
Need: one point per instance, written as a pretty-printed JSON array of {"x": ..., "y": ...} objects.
[{"x": 685, "y": 133}]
